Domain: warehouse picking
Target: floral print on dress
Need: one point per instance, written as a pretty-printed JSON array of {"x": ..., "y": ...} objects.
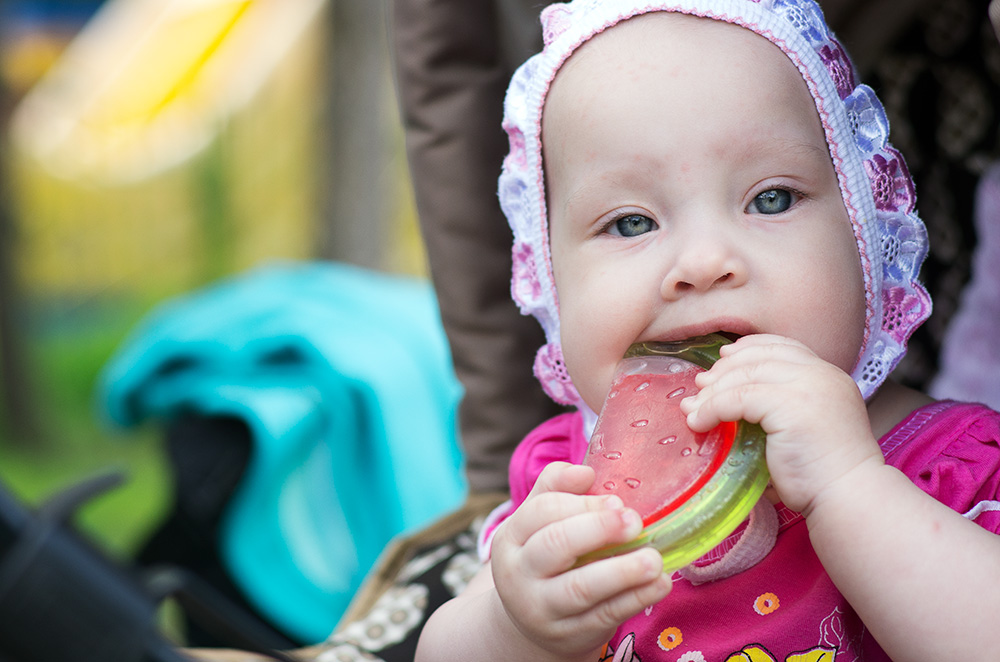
[
  {"x": 766, "y": 603},
  {"x": 670, "y": 639},
  {"x": 624, "y": 653},
  {"x": 834, "y": 635},
  {"x": 757, "y": 653}
]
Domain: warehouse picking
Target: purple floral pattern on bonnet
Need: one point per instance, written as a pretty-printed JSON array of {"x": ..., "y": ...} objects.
[
  {"x": 806, "y": 19},
  {"x": 903, "y": 247},
  {"x": 525, "y": 287},
  {"x": 840, "y": 68},
  {"x": 550, "y": 370},
  {"x": 892, "y": 185},
  {"x": 902, "y": 309},
  {"x": 555, "y": 21},
  {"x": 868, "y": 121},
  {"x": 517, "y": 155}
]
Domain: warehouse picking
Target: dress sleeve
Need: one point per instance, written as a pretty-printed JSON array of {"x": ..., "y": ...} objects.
[
  {"x": 559, "y": 439},
  {"x": 955, "y": 458}
]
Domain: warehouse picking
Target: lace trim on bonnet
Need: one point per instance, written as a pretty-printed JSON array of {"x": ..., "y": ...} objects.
[{"x": 875, "y": 183}]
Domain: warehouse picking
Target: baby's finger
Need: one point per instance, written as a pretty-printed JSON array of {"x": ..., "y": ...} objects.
[
  {"x": 629, "y": 603},
  {"x": 756, "y": 353},
  {"x": 557, "y": 547},
  {"x": 587, "y": 586},
  {"x": 736, "y": 373},
  {"x": 758, "y": 340},
  {"x": 715, "y": 404},
  {"x": 563, "y": 477},
  {"x": 546, "y": 508}
]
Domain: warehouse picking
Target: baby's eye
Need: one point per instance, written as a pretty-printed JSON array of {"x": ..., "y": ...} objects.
[
  {"x": 632, "y": 225},
  {"x": 771, "y": 201}
]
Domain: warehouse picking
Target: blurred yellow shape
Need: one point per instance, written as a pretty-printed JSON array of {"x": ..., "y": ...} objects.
[
  {"x": 165, "y": 68},
  {"x": 148, "y": 83}
]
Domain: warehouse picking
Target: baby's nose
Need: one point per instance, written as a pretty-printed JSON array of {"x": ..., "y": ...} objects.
[{"x": 702, "y": 267}]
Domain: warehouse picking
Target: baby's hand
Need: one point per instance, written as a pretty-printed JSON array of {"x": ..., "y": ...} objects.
[
  {"x": 561, "y": 608},
  {"x": 812, "y": 411}
]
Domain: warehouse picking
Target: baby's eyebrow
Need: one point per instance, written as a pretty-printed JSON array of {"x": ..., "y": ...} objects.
[
  {"x": 576, "y": 197},
  {"x": 611, "y": 177},
  {"x": 573, "y": 197},
  {"x": 753, "y": 149},
  {"x": 579, "y": 196}
]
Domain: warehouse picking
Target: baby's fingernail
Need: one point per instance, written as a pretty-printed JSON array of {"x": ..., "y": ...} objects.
[
  {"x": 653, "y": 564},
  {"x": 614, "y": 502},
  {"x": 633, "y": 523}
]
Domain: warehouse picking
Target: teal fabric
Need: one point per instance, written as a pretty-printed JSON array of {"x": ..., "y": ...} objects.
[{"x": 344, "y": 378}]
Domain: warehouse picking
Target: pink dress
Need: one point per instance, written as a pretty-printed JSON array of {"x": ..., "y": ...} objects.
[{"x": 786, "y": 609}]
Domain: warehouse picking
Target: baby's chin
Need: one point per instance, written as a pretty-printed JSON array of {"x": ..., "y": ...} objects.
[{"x": 594, "y": 394}]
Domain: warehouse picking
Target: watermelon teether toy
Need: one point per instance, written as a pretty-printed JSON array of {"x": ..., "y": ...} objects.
[{"x": 691, "y": 489}]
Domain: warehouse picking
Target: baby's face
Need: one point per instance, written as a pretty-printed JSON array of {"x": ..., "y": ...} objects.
[{"x": 690, "y": 190}]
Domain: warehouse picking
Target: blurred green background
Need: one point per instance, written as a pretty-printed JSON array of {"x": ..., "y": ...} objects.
[{"x": 94, "y": 236}]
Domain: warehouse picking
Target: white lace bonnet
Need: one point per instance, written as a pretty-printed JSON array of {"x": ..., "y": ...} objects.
[{"x": 876, "y": 186}]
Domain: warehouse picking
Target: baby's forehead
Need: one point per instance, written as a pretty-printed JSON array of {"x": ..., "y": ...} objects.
[
  {"x": 668, "y": 40},
  {"x": 658, "y": 48},
  {"x": 665, "y": 27}
]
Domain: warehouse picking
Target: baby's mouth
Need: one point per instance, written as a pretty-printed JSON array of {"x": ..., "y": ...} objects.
[{"x": 729, "y": 335}]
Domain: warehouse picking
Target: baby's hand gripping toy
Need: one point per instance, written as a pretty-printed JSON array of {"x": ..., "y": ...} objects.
[{"x": 691, "y": 489}]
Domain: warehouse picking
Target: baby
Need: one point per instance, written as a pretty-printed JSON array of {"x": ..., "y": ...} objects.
[{"x": 712, "y": 165}]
